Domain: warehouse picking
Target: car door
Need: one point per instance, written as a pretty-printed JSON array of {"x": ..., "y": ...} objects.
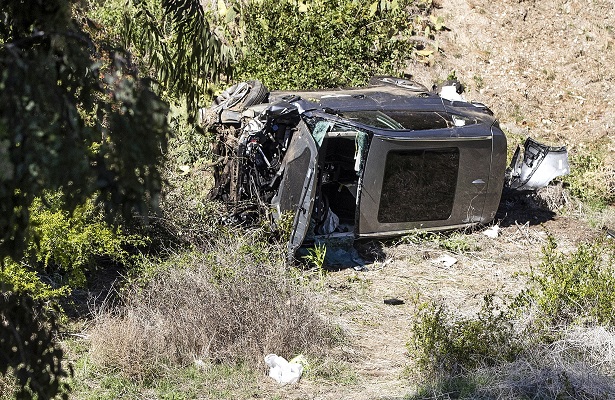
[
  {"x": 295, "y": 195},
  {"x": 433, "y": 178}
]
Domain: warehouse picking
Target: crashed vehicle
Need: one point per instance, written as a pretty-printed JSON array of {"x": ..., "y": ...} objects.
[{"x": 369, "y": 162}]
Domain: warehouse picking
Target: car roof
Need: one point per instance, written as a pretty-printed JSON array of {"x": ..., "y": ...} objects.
[
  {"x": 381, "y": 97},
  {"x": 375, "y": 97}
]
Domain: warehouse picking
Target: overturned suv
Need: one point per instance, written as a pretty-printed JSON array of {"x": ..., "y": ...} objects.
[{"x": 375, "y": 161}]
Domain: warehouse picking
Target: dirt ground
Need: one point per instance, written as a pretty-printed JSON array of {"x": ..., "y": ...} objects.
[{"x": 545, "y": 67}]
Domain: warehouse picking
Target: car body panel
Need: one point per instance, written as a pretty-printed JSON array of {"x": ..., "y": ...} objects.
[{"x": 296, "y": 190}]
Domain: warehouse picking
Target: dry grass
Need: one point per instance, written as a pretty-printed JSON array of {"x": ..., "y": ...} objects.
[
  {"x": 578, "y": 366},
  {"x": 233, "y": 304}
]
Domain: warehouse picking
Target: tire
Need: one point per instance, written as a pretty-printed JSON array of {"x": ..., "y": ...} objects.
[
  {"x": 240, "y": 96},
  {"x": 257, "y": 94}
]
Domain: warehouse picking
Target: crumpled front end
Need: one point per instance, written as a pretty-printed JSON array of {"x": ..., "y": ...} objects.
[{"x": 537, "y": 167}]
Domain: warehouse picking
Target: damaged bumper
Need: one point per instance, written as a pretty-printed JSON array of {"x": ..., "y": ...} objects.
[{"x": 536, "y": 166}]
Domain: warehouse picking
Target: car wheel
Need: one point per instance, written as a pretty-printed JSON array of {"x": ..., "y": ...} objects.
[
  {"x": 240, "y": 96},
  {"x": 257, "y": 94}
]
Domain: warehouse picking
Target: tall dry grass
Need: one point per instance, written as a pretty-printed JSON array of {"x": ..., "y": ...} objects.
[
  {"x": 232, "y": 304},
  {"x": 580, "y": 365}
]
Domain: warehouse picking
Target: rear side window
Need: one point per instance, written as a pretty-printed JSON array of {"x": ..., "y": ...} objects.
[
  {"x": 419, "y": 121},
  {"x": 419, "y": 185}
]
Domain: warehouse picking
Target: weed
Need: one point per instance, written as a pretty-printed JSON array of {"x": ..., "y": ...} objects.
[
  {"x": 557, "y": 352},
  {"x": 479, "y": 82},
  {"x": 330, "y": 371},
  {"x": 458, "y": 243},
  {"x": 455, "y": 242},
  {"x": 231, "y": 305},
  {"x": 517, "y": 114},
  {"x": 592, "y": 179},
  {"x": 316, "y": 256}
]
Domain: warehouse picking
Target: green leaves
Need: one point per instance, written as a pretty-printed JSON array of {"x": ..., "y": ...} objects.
[
  {"x": 330, "y": 43},
  {"x": 578, "y": 287},
  {"x": 184, "y": 50},
  {"x": 58, "y": 101},
  {"x": 28, "y": 347}
]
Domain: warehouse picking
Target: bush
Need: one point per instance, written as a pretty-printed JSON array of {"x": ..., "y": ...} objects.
[
  {"x": 233, "y": 304},
  {"x": 328, "y": 43},
  {"x": 445, "y": 344},
  {"x": 577, "y": 287},
  {"x": 592, "y": 178},
  {"x": 577, "y": 366},
  {"x": 65, "y": 248}
]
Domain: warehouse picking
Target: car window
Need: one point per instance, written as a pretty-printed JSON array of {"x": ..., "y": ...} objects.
[
  {"x": 418, "y": 185},
  {"x": 401, "y": 120},
  {"x": 377, "y": 119}
]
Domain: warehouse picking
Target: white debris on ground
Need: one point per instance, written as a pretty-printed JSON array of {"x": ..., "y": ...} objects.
[
  {"x": 445, "y": 261},
  {"x": 492, "y": 232},
  {"x": 282, "y": 371}
]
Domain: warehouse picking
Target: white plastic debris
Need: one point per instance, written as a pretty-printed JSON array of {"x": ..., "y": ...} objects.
[
  {"x": 282, "y": 371},
  {"x": 450, "y": 93},
  {"x": 492, "y": 232},
  {"x": 445, "y": 261}
]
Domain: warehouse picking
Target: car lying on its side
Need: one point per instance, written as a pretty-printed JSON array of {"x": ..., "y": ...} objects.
[{"x": 375, "y": 161}]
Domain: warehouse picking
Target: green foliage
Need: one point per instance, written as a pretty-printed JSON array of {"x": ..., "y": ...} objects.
[
  {"x": 75, "y": 118},
  {"x": 327, "y": 43},
  {"x": 577, "y": 287},
  {"x": 24, "y": 280},
  {"x": 65, "y": 248},
  {"x": 180, "y": 42},
  {"x": 86, "y": 125},
  {"x": 29, "y": 352},
  {"x": 445, "y": 343},
  {"x": 74, "y": 244},
  {"x": 455, "y": 242},
  {"x": 592, "y": 178},
  {"x": 196, "y": 380},
  {"x": 316, "y": 256}
]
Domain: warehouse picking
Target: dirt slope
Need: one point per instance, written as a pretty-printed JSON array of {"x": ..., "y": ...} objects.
[{"x": 547, "y": 69}]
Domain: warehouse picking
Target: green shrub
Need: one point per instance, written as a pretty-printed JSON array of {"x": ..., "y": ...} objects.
[
  {"x": 65, "y": 248},
  {"x": 550, "y": 356},
  {"x": 577, "y": 287},
  {"x": 327, "y": 43},
  {"x": 444, "y": 343},
  {"x": 592, "y": 178}
]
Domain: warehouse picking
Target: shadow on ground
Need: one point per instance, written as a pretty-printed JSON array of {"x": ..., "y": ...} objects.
[{"x": 522, "y": 209}]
